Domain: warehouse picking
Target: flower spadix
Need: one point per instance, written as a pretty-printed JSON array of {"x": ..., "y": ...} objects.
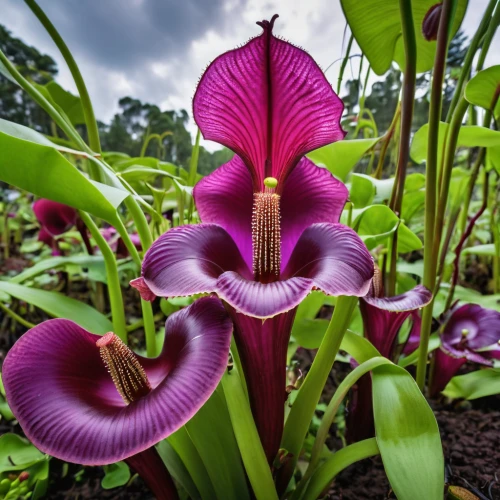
[{"x": 90, "y": 400}]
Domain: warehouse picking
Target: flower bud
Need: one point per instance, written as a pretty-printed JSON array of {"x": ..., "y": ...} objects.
[{"x": 430, "y": 24}]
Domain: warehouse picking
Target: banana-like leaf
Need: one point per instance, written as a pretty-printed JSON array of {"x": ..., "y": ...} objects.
[
  {"x": 35, "y": 165},
  {"x": 407, "y": 435},
  {"x": 60, "y": 306},
  {"x": 477, "y": 384},
  {"x": 483, "y": 90}
]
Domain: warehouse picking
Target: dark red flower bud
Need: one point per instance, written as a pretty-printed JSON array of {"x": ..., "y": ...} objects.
[
  {"x": 23, "y": 476},
  {"x": 430, "y": 23}
]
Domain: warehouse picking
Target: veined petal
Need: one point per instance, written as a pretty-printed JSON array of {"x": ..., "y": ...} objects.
[
  {"x": 262, "y": 300},
  {"x": 480, "y": 326},
  {"x": 55, "y": 217},
  {"x": 409, "y": 301},
  {"x": 189, "y": 259},
  {"x": 320, "y": 198},
  {"x": 334, "y": 257},
  {"x": 270, "y": 103},
  {"x": 225, "y": 197},
  {"x": 60, "y": 391}
]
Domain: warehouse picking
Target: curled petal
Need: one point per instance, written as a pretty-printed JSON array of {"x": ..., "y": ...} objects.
[
  {"x": 414, "y": 299},
  {"x": 225, "y": 197},
  {"x": 262, "y": 300},
  {"x": 189, "y": 259},
  {"x": 334, "y": 257},
  {"x": 446, "y": 367},
  {"x": 320, "y": 196},
  {"x": 60, "y": 391},
  {"x": 270, "y": 103},
  {"x": 477, "y": 326},
  {"x": 141, "y": 286},
  {"x": 55, "y": 217}
]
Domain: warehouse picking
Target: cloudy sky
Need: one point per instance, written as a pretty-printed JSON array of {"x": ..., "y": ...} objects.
[{"x": 155, "y": 50}]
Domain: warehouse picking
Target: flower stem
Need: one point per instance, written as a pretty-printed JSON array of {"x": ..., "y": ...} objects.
[
  {"x": 88, "y": 110},
  {"x": 309, "y": 393},
  {"x": 15, "y": 316},
  {"x": 344, "y": 63},
  {"x": 431, "y": 188},
  {"x": 151, "y": 468},
  {"x": 114, "y": 289},
  {"x": 407, "y": 100}
]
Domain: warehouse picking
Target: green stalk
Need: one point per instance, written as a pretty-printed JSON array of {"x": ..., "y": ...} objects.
[
  {"x": 495, "y": 22},
  {"x": 88, "y": 110},
  {"x": 337, "y": 463},
  {"x": 114, "y": 289},
  {"x": 66, "y": 127},
  {"x": 344, "y": 63},
  {"x": 309, "y": 393},
  {"x": 407, "y": 100},
  {"x": 146, "y": 142},
  {"x": 469, "y": 57},
  {"x": 431, "y": 188},
  {"x": 247, "y": 437},
  {"x": 15, "y": 316},
  {"x": 141, "y": 223},
  {"x": 329, "y": 416}
]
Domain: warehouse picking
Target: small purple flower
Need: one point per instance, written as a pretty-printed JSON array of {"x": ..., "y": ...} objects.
[
  {"x": 270, "y": 231},
  {"x": 89, "y": 399},
  {"x": 383, "y": 317},
  {"x": 469, "y": 333},
  {"x": 55, "y": 219}
]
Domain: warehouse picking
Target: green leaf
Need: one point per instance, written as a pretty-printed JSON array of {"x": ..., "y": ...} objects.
[
  {"x": 376, "y": 25},
  {"x": 212, "y": 434},
  {"x": 138, "y": 173},
  {"x": 89, "y": 261},
  {"x": 45, "y": 172},
  {"x": 17, "y": 453},
  {"x": 470, "y": 136},
  {"x": 248, "y": 439},
  {"x": 412, "y": 359},
  {"x": 493, "y": 158},
  {"x": 177, "y": 468},
  {"x": 484, "y": 89},
  {"x": 377, "y": 223},
  {"x": 187, "y": 452},
  {"x": 60, "y": 306},
  {"x": 407, "y": 435},
  {"x": 337, "y": 462},
  {"x": 477, "y": 384},
  {"x": 341, "y": 157},
  {"x": 115, "y": 475},
  {"x": 487, "y": 250},
  {"x": 366, "y": 190},
  {"x": 63, "y": 100}
]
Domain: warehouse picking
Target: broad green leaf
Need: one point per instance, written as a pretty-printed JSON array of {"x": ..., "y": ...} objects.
[
  {"x": 184, "y": 447},
  {"x": 61, "y": 99},
  {"x": 407, "y": 435},
  {"x": 212, "y": 434},
  {"x": 177, "y": 468},
  {"x": 376, "y": 25},
  {"x": 115, "y": 475},
  {"x": 377, "y": 223},
  {"x": 487, "y": 250},
  {"x": 18, "y": 451},
  {"x": 341, "y": 157},
  {"x": 366, "y": 189},
  {"x": 414, "y": 182},
  {"x": 412, "y": 359},
  {"x": 484, "y": 90},
  {"x": 88, "y": 261},
  {"x": 470, "y": 136},
  {"x": 247, "y": 437},
  {"x": 123, "y": 163},
  {"x": 477, "y": 384},
  {"x": 60, "y": 306},
  {"x": 309, "y": 332},
  {"x": 413, "y": 203},
  {"x": 360, "y": 348},
  {"x": 493, "y": 158},
  {"x": 45, "y": 172}
]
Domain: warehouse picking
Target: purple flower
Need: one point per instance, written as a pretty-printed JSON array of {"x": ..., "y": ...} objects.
[
  {"x": 383, "y": 317},
  {"x": 270, "y": 231},
  {"x": 430, "y": 24},
  {"x": 55, "y": 219},
  {"x": 469, "y": 333},
  {"x": 89, "y": 399}
]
